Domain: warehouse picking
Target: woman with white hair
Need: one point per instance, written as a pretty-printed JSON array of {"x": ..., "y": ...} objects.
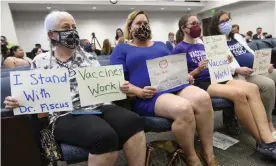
[{"x": 102, "y": 135}]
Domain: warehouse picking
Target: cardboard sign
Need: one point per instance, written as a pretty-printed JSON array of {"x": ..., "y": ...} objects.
[
  {"x": 261, "y": 61},
  {"x": 40, "y": 91},
  {"x": 100, "y": 84},
  {"x": 168, "y": 72},
  {"x": 217, "y": 54}
]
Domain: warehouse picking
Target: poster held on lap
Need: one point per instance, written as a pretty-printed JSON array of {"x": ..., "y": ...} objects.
[
  {"x": 40, "y": 91},
  {"x": 168, "y": 72},
  {"x": 261, "y": 61},
  {"x": 100, "y": 84},
  {"x": 217, "y": 54}
]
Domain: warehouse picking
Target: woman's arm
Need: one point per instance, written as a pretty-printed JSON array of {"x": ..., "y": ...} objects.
[
  {"x": 9, "y": 63},
  {"x": 195, "y": 72}
]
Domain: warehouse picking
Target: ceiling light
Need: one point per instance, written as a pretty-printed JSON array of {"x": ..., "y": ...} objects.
[
  {"x": 189, "y": 8},
  {"x": 48, "y": 8},
  {"x": 94, "y": 8},
  {"x": 162, "y": 8}
]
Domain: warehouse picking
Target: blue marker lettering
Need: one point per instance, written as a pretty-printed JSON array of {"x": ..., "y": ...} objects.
[
  {"x": 28, "y": 96},
  {"x": 43, "y": 106},
  {"x": 52, "y": 106},
  {"x": 16, "y": 80},
  {"x": 44, "y": 94},
  {"x": 41, "y": 78},
  {"x": 32, "y": 75},
  {"x": 24, "y": 109}
]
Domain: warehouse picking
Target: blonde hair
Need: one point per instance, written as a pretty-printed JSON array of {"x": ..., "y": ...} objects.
[{"x": 131, "y": 17}]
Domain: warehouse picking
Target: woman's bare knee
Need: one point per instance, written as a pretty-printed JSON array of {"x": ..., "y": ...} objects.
[
  {"x": 184, "y": 112},
  {"x": 239, "y": 96},
  {"x": 202, "y": 103}
]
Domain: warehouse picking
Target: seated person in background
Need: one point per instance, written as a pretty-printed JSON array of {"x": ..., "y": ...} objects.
[
  {"x": 246, "y": 97},
  {"x": 4, "y": 53},
  {"x": 37, "y": 51},
  {"x": 171, "y": 43},
  {"x": 235, "y": 29},
  {"x": 84, "y": 42},
  {"x": 16, "y": 58},
  {"x": 37, "y": 46},
  {"x": 189, "y": 107},
  {"x": 101, "y": 135},
  {"x": 244, "y": 55},
  {"x": 119, "y": 34},
  {"x": 4, "y": 41},
  {"x": 266, "y": 35},
  {"x": 121, "y": 40},
  {"x": 248, "y": 36},
  {"x": 107, "y": 49},
  {"x": 94, "y": 50},
  {"x": 259, "y": 34}
]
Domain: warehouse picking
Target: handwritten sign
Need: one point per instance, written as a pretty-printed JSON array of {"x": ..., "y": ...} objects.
[
  {"x": 168, "y": 72},
  {"x": 217, "y": 53},
  {"x": 261, "y": 61},
  {"x": 100, "y": 84},
  {"x": 40, "y": 91}
]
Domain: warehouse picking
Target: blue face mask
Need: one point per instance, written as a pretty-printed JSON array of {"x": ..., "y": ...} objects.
[{"x": 225, "y": 28}]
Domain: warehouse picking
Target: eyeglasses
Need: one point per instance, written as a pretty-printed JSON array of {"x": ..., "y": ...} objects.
[{"x": 224, "y": 21}]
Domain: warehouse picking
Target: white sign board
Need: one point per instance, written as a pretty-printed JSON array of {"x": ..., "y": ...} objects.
[
  {"x": 222, "y": 141},
  {"x": 217, "y": 54},
  {"x": 168, "y": 72},
  {"x": 40, "y": 91},
  {"x": 261, "y": 61},
  {"x": 100, "y": 84}
]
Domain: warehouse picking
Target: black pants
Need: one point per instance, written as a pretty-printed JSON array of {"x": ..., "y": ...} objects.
[{"x": 99, "y": 133}]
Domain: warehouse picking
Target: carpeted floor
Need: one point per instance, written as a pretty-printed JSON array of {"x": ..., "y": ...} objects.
[{"x": 241, "y": 154}]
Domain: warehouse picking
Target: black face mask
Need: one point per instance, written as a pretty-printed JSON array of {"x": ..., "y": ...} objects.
[
  {"x": 143, "y": 33},
  {"x": 68, "y": 38}
]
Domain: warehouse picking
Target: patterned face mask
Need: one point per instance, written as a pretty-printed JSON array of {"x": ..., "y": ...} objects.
[
  {"x": 143, "y": 33},
  {"x": 68, "y": 38}
]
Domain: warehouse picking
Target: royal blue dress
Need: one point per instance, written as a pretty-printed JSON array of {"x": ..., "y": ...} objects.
[{"x": 133, "y": 60}]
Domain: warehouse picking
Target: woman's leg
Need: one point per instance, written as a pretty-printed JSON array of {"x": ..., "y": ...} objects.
[
  {"x": 203, "y": 111},
  {"x": 272, "y": 76},
  {"x": 266, "y": 87},
  {"x": 242, "y": 108},
  {"x": 183, "y": 128},
  {"x": 89, "y": 132},
  {"x": 129, "y": 127},
  {"x": 257, "y": 108}
]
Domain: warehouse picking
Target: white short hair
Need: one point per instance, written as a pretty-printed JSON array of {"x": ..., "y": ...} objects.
[{"x": 52, "y": 20}]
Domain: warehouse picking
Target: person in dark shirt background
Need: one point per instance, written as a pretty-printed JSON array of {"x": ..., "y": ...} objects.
[
  {"x": 170, "y": 43},
  {"x": 259, "y": 34}
]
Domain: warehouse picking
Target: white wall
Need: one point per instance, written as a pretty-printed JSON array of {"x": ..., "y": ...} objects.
[
  {"x": 250, "y": 15},
  {"x": 7, "y": 24},
  {"x": 30, "y": 30}
]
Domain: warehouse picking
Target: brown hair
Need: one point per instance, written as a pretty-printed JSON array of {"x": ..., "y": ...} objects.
[
  {"x": 106, "y": 50},
  {"x": 236, "y": 25},
  {"x": 214, "y": 23},
  {"x": 131, "y": 17},
  {"x": 183, "y": 21}
]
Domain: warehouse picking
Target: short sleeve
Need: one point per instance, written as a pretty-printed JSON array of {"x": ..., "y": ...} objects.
[
  {"x": 177, "y": 50},
  {"x": 118, "y": 57}
]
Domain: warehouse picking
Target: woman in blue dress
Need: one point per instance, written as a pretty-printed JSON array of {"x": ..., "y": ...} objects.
[
  {"x": 188, "y": 106},
  {"x": 246, "y": 97}
]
